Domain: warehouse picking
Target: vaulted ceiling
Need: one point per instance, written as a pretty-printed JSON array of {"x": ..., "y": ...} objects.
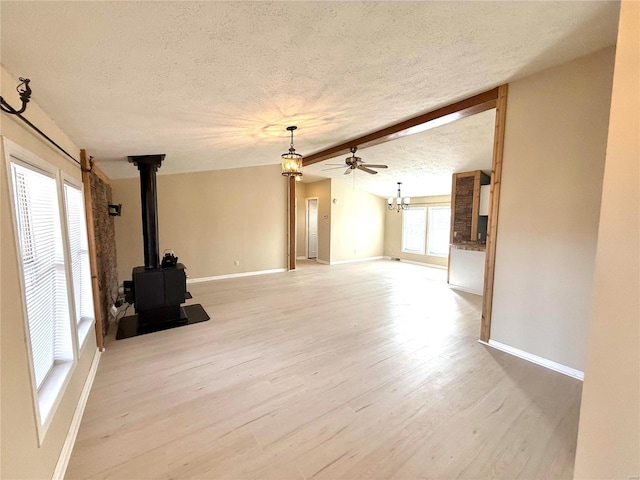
[{"x": 214, "y": 84}]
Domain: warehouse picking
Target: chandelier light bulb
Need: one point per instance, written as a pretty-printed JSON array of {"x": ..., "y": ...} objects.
[{"x": 400, "y": 203}]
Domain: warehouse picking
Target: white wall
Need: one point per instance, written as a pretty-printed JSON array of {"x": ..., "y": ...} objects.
[
  {"x": 554, "y": 150},
  {"x": 21, "y": 456},
  {"x": 609, "y": 432}
]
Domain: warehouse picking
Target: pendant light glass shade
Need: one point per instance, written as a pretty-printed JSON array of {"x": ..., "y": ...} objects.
[
  {"x": 401, "y": 203},
  {"x": 291, "y": 161},
  {"x": 291, "y": 164}
]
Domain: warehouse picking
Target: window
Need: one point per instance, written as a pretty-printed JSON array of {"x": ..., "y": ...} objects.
[
  {"x": 439, "y": 231},
  {"x": 79, "y": 253},
  {"x": 41, "y": 253},
  {"x": 414, "y": 226},
  {"x": 53, "y": 257},
  {"x": 416, "y": 231}
]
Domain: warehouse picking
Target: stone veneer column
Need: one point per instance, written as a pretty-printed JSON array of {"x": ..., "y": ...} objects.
[{"x": 104, "y": 229}]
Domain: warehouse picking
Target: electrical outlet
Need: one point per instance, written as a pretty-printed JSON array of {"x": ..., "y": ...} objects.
[
  {"x": 236, "y": 263},
  {"x": 114, "y": 311}
]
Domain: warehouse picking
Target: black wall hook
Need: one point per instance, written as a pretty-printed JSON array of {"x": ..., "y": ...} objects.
[{"x": 25, "y": 95}]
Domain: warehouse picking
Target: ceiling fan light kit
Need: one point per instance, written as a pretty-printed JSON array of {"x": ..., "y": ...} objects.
[
  {"x": 400, "y": 203},
  {"x": 292, "y": 161}
]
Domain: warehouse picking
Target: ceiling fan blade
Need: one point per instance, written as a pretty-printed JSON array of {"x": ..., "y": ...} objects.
[
  {"x": 335, "y": 164},
  {"x": 377, "y": 166},
  {"x": 348, "y": 171},
  {"x": 365, "y": 169}
]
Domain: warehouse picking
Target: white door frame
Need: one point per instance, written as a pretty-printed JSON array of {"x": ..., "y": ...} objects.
[{"x": 306, "y": 225}]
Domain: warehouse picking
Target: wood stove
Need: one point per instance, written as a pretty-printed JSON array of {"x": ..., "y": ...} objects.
[{"x": 156, "y": 291}]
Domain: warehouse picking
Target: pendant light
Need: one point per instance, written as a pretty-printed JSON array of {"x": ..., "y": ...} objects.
[
  {"x": 401, "y": 203},
  {"x": 292, "y": 161}
]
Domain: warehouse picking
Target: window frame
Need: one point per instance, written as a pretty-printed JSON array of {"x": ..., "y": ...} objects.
[
  {"x": 448, "y": 232},
  {"x": 46, "y": 398},
  {"x": 403, "y": 248},
  {"x": 82, "y": 328}
]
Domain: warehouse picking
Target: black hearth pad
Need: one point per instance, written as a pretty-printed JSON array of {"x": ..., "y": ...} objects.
[{"x": 128, "y": 326}]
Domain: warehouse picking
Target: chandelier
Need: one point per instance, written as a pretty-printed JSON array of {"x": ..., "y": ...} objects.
[
  {"x": 292, "y": 161},
  {"x": 401, "y": 203}
]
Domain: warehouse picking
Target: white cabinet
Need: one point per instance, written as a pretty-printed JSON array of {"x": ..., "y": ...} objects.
[
  {"x": 466, "y": 270},
  {"x": 485, "y": 191}
]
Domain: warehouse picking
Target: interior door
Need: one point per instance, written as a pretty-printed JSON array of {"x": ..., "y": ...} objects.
[{"x": 312, "y": 228}]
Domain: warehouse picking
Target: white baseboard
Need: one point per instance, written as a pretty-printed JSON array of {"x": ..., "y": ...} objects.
[
  {"x": 550, "y": 364},
  {"x": 67, "y": 448},
  {"x": 464, "y": 289},
  {"x": 235, "y": 275},
  {"x": 356, "y": 260},
  {"x": 302, "y": 258},
  {"x": 413, "y": 262},
  {"x": 423, "y": 264},
  {"x": 323, "y": 262}
]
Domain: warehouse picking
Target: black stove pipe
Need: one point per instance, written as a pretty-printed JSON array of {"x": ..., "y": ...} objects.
[
  {"x": 148, "y": 165},
  {"x": 149, "y": 198}
]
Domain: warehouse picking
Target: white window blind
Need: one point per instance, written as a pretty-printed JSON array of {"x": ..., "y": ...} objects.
[
  {"x": 414, "y": 228},
  {"x": 79, "y": 254},
  {"x": 439, "y": 231},
  {"x": 42, "y": 258}
]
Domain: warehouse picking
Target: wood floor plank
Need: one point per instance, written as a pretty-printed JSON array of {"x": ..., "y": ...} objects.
[{"x": 369, "y": 370}]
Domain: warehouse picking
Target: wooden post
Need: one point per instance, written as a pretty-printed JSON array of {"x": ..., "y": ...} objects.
[
  {"x": 494, "y": 203},
  {"x": 292, "y": 223},
  {"x": 88, "y": 208}
]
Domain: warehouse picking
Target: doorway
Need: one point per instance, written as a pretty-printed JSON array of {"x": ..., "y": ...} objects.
[{"x": 312, "y": 228}]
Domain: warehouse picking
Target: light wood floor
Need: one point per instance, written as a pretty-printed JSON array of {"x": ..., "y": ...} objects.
[{"x": 369, "y": 370}]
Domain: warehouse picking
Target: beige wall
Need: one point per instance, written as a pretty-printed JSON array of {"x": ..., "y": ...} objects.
[
  {"x": 555, "y": 139},
  {"x": 393, "y": 232},
  {"x": 301, "y": 219},
  {"x": 322, "y": 191},
  {"x": 353, "y": 228},
  {"x": 609, "y": 433},
  {"x": 210, "y": 220},
  {"x": 21, "y": 456},
  {"x": 357, "y": 223}
]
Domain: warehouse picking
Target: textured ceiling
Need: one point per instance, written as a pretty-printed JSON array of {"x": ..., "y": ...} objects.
[
  {"x": 214, "y": 84},
  {"x": 423, "y": 162}
]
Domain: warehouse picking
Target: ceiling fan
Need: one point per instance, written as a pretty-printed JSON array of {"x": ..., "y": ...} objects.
[{"x": 354, "y": 162}]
